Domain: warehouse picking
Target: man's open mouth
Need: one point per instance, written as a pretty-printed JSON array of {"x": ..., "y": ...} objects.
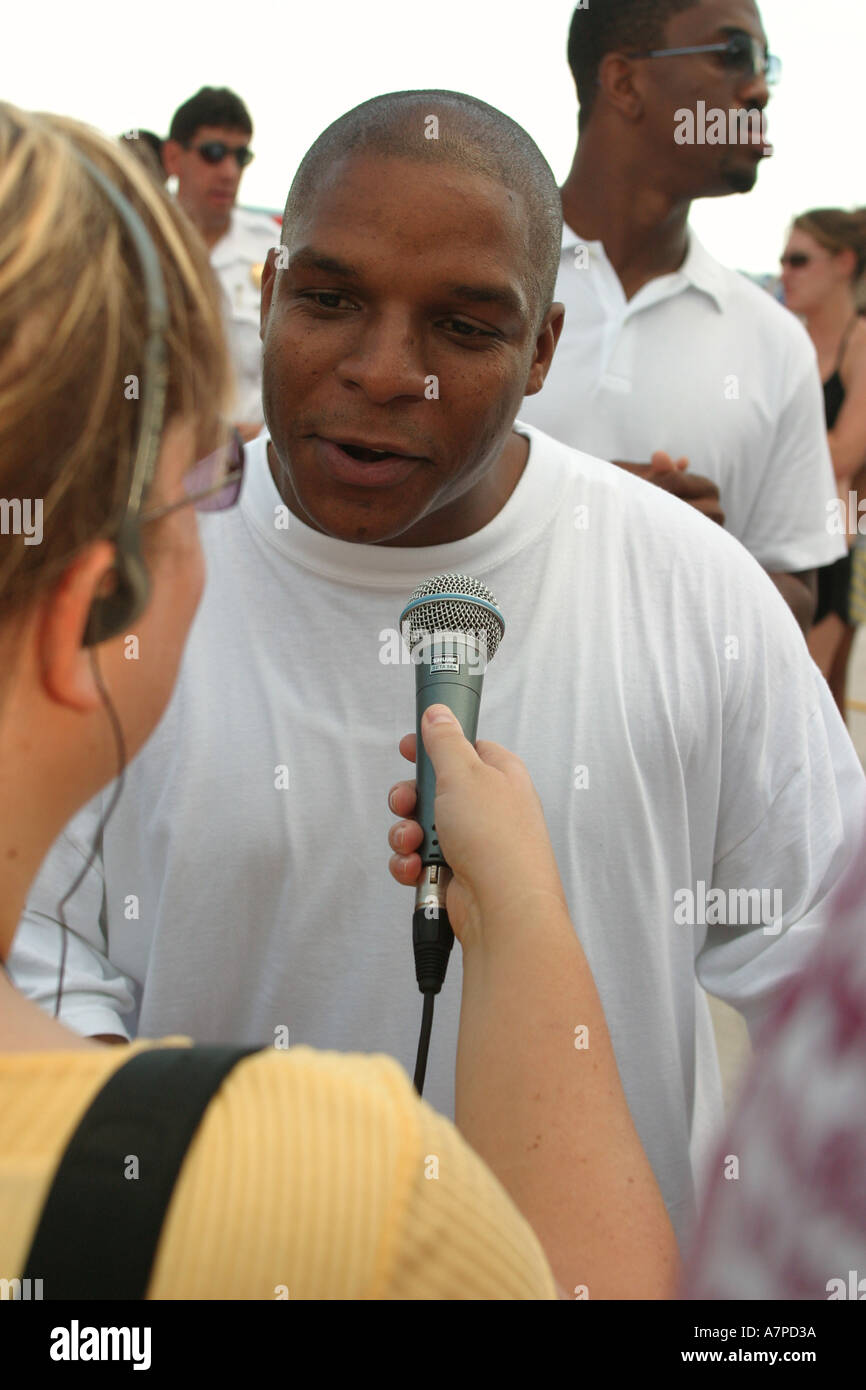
[
  {"x": 355, "y": 451},
  {"x": 366, "y": 465}
]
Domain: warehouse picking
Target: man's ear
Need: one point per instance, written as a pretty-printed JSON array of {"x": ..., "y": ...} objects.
[
  {"x": 622, "y": 84},
  {"x": 545, "y": 345},
  {"x": 64, "y": 662},
  {"x": 269, "y": 275},
  {"x": 172, "y": 153}
]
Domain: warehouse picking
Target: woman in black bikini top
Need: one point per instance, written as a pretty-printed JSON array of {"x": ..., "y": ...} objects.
[{"x": 822, "y": 272}]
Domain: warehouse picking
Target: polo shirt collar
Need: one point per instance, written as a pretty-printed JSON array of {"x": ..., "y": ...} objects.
[
  {"x": 698, "y": 269},
  {"x": 705, "y": 273}
]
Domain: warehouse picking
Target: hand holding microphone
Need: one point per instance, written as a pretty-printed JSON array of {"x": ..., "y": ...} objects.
[
  {"x": 477, "y": 814},
  {"x": 491, "y": 828}
]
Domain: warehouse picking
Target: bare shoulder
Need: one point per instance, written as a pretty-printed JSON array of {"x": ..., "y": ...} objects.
[{"x": 853, "y": 371}]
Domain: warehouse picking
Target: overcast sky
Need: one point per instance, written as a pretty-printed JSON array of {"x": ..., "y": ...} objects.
[{"x": 299, "y": 66}]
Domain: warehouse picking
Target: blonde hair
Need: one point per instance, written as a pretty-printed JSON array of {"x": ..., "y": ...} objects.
[{"x": 73, "y": 327}]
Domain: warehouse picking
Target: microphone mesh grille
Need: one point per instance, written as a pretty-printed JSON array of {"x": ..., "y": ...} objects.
[{"x": 457, "y": 614}]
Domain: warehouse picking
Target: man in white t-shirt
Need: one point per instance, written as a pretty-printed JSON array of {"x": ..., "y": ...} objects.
[
  {"x": 685, "y": 748},
  {"x": 208, "y": 148},
  {"x": 665, "y": 353}
]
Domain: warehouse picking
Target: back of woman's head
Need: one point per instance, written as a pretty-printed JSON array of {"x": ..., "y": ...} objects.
[
  {"x": 837, "y": 230},
  {"x": 73, "y": 330}
]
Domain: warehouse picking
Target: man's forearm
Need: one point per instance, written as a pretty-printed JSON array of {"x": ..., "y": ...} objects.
[{"x": 800, "y": 592}]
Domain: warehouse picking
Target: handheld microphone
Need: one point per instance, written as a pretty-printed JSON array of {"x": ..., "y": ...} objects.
[{"x": 452, "y": 628}]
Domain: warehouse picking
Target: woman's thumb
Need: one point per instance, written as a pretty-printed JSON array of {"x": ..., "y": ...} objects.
[{"x": 446, "y": 744}]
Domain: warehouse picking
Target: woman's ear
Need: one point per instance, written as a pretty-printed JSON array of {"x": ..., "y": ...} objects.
[{"x": 64, "y": 662}]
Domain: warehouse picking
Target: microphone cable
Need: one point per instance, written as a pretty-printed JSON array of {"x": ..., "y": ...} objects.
[
  {"x": 424, "y": 1041},
  {"x": 432, "y": 940}
]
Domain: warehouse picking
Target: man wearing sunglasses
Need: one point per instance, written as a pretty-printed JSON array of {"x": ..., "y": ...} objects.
[
  {"x": 670, "y": 364},
  {"x": 207, "y": 149}
]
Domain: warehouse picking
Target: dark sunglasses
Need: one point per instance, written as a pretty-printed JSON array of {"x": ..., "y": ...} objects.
[
  {"x": 741, "y": 54},
  {"x": 796, "y": 260},
  {"x": 214, "y": 152},
  {"x": 213, "y": 484}
]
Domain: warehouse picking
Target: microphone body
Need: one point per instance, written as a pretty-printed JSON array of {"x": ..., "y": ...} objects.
[
  {"x": 447, "y": 672},
  {"x": 452, "y": 627}
]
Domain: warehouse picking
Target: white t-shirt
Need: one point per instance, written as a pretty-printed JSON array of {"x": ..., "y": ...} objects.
[
  {"x": 238, "y": 259},
  {"x": 656, "y": 686},
  {"x": 704, "y": 365}
]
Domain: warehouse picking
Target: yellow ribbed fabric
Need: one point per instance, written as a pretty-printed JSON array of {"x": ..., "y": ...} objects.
[{"x": 313, "y": 1175}]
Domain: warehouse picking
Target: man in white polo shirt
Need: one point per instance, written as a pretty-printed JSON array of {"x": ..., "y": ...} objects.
[
  {"x": 208, "y": 148},
  {"x": 665, "y": 351}
]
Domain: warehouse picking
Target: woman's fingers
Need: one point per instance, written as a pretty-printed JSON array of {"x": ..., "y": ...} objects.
[
  {"x": 401, "y": 798},
  {"x": 405, "y": 836},
  {"x": 405, "y": 868}
]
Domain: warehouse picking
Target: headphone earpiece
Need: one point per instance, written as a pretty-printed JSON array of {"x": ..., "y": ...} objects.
[{"x": 111, "y": 615}]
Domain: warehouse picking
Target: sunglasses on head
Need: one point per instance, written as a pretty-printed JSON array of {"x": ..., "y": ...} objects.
[
  {"x": 215, "y": 151},
  {"x": 213, "y": 484},
  {"x": 796, "y": 260},
  {"x": 741, "y": 54}
]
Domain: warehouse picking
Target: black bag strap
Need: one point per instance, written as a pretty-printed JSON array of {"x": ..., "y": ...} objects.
[{"x": 100, "y": 1226}]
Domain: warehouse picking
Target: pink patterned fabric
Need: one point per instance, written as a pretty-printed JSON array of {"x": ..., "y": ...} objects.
[{"x": 785, "y": 1215}]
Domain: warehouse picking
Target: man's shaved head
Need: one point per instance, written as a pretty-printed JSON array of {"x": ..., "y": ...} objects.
[{"x": 471, "y": 136}]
